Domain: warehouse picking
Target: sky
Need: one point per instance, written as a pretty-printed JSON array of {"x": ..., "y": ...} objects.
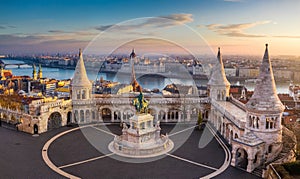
[{"x": 239, "y": 27}]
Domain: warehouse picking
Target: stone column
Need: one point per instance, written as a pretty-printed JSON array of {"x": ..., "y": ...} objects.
[
  {"x": 188, "y": 115},
  {"x": 122, "y": 114},
  {"x": 156, "y": 117},
  {"x": 250, "y": 166},
  {"x": 179, "y": 116},
  {"x": 112, "y": 116},
  {"x": 166, "y": 116},
  {"x": 233, "y": 153}
]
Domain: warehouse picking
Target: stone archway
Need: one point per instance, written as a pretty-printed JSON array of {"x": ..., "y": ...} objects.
[
  {"x": 257, "y": 158},
  {"x": 241, "y": 158},
  {"x": 172, "y": 115},
  {"x": 76, "y": 116},
  {"x": 81, "y": 116},
  {"x": 127, "y": 114},
  {"x": 231, "y": 136},
  {"x": 117, "y": 115},
  {"x": 54, "y": 121},
  {"x": 35, "y": 129},
  {"x": 106, "y": 114},
  {"x": 69, "y": 117},
  {"x": 87, "y": 116}
]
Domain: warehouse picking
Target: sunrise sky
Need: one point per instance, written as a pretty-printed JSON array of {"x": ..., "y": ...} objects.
[{"x": 237, "y": 26}]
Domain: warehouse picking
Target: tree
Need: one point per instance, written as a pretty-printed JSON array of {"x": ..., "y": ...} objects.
[{"x": 200, "y": 120}]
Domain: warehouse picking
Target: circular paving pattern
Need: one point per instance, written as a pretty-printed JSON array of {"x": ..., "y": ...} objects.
[{"x": 71, "y": 155}]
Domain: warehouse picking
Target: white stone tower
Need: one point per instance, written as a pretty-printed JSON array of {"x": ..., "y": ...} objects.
[
  {"x": 218, "y": 84},
  {"x": 264, "y": 110},
  {"x": 82, "y": 102}
]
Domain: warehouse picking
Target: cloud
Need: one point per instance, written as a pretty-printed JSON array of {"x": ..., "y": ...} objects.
[
  {"x": 103, "y": 27},
  {"x": 155, "y": 22},
  {"x": 57, "y": 31},
  {"x": 27, "y": 44},
  {"x": 287, "y": 36},
  {"x": 7, "y": 26},
  {"x": 236, "y": 30}
]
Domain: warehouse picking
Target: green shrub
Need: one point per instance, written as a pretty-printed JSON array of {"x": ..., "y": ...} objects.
[
  {"x": 282, "y": 172},
  {"x": 293, "y": 167}
]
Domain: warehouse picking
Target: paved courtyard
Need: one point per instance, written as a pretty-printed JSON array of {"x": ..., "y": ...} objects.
[{"x": 72, "y": 153}]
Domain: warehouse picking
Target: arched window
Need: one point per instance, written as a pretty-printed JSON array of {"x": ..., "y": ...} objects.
[
  {"x": 78, "y": 94},
  {"x": 267, "y": 123},
  {"x": 257, "y": 122},
  {"x": 83, "y": 94},
  {"x": 223, "y": 95},
  {"x": 93, "y": 115},
  {"x": 250, "y": 121},
  {"x": 236, "y": 136},
  {"x": 271, "y": 123},
  {"x": 270, "y": 148}
]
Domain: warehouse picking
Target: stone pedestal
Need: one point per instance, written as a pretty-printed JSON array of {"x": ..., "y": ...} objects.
[{"x": 142, "y": 139}]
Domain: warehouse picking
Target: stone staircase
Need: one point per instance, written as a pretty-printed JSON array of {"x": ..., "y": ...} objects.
[
  {"x": 8, "y": 126},
  {"x": 257, "y": 172}
]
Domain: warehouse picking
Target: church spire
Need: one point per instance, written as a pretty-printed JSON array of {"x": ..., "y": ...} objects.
[
  {"x": 135, "y": 85},
  {"x": 34, "y": 75},
  {"x": 2, "y": 76},
  {"x": 265, "y": 96},
  {"x": 80, "y": 77},
  {"x": 40, "y": 72}
]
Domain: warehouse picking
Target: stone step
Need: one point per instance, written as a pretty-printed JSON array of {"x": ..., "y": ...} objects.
[
  {"x": 257, "y": 172},
  {"x": 8, "y": 126}
]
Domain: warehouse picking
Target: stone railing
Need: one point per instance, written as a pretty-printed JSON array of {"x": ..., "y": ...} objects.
[
  {"x": 238, "y": 103},
  {"x": 271, "y": 173},
  {"x": 229, "y": 116},
  {"x": 122, "y": 99}
]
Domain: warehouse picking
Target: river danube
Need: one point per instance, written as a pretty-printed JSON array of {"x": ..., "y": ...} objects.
[{"x": 146, "y": 81}]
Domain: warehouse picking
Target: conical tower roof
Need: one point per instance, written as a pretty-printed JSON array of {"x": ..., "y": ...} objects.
[
  {"x": 218, "y": 76},
  {"x": 265, "y": 98},
  {"x": 80, "y": 77}
]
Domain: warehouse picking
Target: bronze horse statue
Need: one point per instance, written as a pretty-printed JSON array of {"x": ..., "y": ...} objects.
[{"x": 140, "y": 104}]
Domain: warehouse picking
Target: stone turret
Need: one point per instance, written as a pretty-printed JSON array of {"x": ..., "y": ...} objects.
[
  {"x": 218, "y": 84},
  {"x": 80, "y": 78},
  {"x": 83, "y": 105},
  {"x": 264, "y": 109},
  {"x": 265, "y": 97}
]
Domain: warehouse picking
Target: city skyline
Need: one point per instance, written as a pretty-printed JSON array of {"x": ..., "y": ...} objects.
[{"x": 237, "y": 26}]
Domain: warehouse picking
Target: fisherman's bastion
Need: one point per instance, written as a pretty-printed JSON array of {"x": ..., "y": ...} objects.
[{"x": 252, "y": 128}]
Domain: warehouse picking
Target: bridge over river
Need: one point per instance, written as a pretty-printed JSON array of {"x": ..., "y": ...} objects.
[{"x": 17, "y": 63}]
